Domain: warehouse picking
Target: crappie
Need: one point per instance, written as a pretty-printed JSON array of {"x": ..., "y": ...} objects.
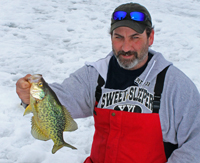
[{"x": 50, "y": 118}]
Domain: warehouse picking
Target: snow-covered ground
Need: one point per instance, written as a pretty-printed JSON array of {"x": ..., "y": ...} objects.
[{"x": 55, "y": 38}]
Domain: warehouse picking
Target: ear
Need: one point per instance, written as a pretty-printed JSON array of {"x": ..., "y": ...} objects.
[{"x": 151, "y": 38}]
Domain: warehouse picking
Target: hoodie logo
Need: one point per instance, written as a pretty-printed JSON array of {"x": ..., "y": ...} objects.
[
  {"x": 138, "y": 81},
  {"x": 129, "y": 108},
  {"x": 132, "y": 93}
]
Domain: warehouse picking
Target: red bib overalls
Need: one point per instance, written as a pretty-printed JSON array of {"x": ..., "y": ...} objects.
[{"x": 123, "y": 137}]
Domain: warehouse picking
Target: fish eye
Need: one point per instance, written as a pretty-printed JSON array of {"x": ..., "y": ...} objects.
[{"x": 40, "y": 84}]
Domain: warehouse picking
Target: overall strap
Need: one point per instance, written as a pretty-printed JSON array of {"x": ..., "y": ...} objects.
[
  {"x": 158, "y": 90},
  {"x": 98, "y": 91},
  {"x": 169, "y": 147}
]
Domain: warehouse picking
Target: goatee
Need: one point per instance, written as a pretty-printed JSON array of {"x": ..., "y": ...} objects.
[{"x": 127, "y": 63}]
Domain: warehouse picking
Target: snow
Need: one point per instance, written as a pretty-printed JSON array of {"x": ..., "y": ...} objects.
[{"x": 55, "y": 38}]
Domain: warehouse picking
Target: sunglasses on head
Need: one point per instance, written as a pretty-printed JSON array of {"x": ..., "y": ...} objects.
[{"x": 135, "y": 15}]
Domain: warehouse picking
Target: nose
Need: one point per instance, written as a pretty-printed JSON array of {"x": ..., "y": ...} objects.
[{"x": 126, "y": 46}]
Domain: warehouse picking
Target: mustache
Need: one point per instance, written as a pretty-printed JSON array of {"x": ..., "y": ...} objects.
[{"x": 128, "y": 53}]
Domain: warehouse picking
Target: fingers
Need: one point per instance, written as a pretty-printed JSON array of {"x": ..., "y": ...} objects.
[
  {"x": 23, "y": 83},
  {"x": 23, "y": 89}
]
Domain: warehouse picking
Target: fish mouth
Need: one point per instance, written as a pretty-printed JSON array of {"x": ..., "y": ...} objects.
[
  {"x": 36, "y": 93},
  {"x": 35, "y": 90},
  {"x": 34, "y": 78}
]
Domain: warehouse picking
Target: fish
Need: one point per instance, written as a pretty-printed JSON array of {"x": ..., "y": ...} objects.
[{"x": 50, "y": 118}]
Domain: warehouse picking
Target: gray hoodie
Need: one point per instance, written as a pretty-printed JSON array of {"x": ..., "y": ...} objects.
[{"x": 180, "y": 102}]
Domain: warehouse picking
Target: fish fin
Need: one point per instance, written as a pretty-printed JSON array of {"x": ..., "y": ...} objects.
[
  {"x": 70, "y": 124},
  {"x": 57, "y": 147},
  {"x": 36, "y": 131},
  {"x": 28, "y": 110}
]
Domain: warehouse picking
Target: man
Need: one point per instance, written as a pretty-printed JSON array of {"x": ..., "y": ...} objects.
[{"x": 133, "y": 122}]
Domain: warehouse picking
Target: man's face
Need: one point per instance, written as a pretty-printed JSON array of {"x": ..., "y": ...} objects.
[{"x": 131, "y": 48}]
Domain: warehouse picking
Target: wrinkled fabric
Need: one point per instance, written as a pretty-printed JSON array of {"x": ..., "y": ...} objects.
[{"x": 126, "y": 137}]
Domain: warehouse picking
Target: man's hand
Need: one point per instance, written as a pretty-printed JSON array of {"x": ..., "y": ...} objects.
[{"x": 23, "y": 89}]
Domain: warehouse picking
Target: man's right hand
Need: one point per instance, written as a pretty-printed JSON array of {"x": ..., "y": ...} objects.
[{"x": 23, "y": 89}]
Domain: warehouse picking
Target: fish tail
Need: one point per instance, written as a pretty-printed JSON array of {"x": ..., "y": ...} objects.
[{"x": 57, "y": 147}]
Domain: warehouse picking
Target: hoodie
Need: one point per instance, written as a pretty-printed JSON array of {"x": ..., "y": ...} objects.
[{"x": 179, "y": 108}]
